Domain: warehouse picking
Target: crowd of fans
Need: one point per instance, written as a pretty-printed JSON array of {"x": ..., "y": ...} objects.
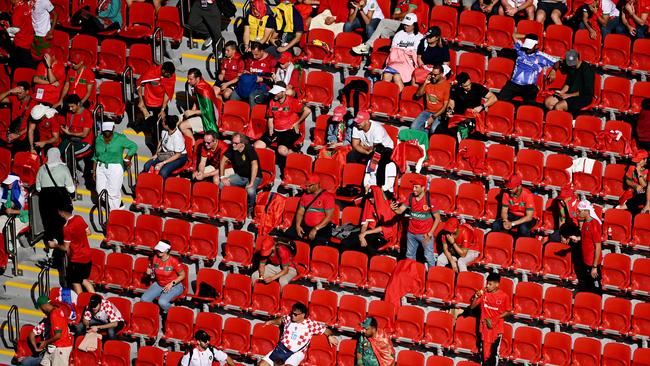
[{"x": 51, "y": 118}]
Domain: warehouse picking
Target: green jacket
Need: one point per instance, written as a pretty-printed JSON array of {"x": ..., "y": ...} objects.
[{"x": 113, "y": 152}]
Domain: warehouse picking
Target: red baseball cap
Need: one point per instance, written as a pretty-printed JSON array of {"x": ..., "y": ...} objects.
[
  {"x": 285, "y": 57},
  {"x": 514, "y": 181},
  {"x": 362, "y": 117},
  {"x": 640, "y": 155},
  {"x": 420, "y": 180},
  {"x": 312, "y": 179},
  {"x": 266, "y": 246},
  {"x": 451, "y": 225},
  {"x": 339, "y": 112}
]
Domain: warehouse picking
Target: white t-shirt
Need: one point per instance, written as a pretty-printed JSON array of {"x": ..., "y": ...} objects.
[
  {"x": 370, "y": 178},
  {"x": 376, "y": 135},
  {"x": 373, "y": 5},
  {"x": 41, "y": 17},
  {"x": 609, "y": 8},
  {"x": 408, "y": 41},
  {"x": 284, "y": 75},
  {"x": 174, "y": 142},
  {"x": 203, "y": 358}
]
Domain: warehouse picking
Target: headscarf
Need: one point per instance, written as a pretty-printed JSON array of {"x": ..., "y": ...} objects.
[
  {"x": 54, "y": 157},
  {"x": 586, "y": 205},
  {"x": 260, "y": 7}
]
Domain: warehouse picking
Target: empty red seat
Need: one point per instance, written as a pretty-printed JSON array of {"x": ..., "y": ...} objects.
[
  {"x": 500, "y": 160},
  {"x": 557, "y": 349},
  {"x": 558, "y": 39},
  {"x": 168, "y": 19},
  {"x": 351, "y": 312},
  {"x": 179, "y": 324},
  {"x": 384, "y": 313},
  {"x": 439, "y": 361},
  {"x": 640, "y": 91},
  {"x": 264, "y": 339},
  {"x": 320, "y": 352},
  {"x": 119, "y": 229},
  {"x": 319, "y": 89},
  {"x": 528, "y": 300},
  {"x": 589, "y": 49},
  {"x": 291, "y": 294},
  {"x": 141, "y": 21},
  {"x": 586, "y": 310},
  {"x": 613, "y": 181},
  {"x": 343, "y": 57},
  {"x": 379, "y": 54},
  {"x": 467, "y": 283},
  {"x": 439, "y": 329},
  {"x": 149, "y": 190},
  {"x": 465, "y": 334},
  {"x": 500, "y": 119},
  {"x": 586, "y": 351},
  {"x": 640, "y": 278},
  {"x": 557, "y": 304},
  {"x": 211, "y": 324},
  {"x": 384, "y": 100},
  {"x": 615, "y": 94},
  {"x": 145, "y": 320},
  {"x": 641, "y": 320},
  {"x": 116, "y": 353},
  {"x": 203, "y": 242},
  {"x": 205, "y": 200},
  {"x": 640, "y": 55},
  {"x": 446, "y": 18},
  {"x": 441, "y": 154},
  {"x": 614, "y": 146},
  {"x": 150, "y": 356},
  {"x": 140, "y": 58},
  {"x": 347, "y": 349},
  {"x": 410, "y": 358},
  {"x": 237, "y": 292},
  {"x": 111, "y": 97},
  {"x": 324, "y": 263},
  {"x": 265, "y": 299},
  {"x": 79, "y": 358},
  {"x": 409, "y": 108},
  {"x": 641, "y": 357},
  {"x": 379, "y": 272},
  {"x": 499, "y": 31},
  {"x": 84, "y": 48},
  {"x": 297, "y": 169},
  {"x": 527, "y": 344},
  {"x": 470, "y": 200},
  {"x": 619, "y": 223},
  {"x": 176, "y": 196},
  {"x": 177, "y": 233},
  {"x": 530, "y": 165},
  {"x": 314, "y": 51},
  {"x": 616, "y": 272},
  {"x": 239, "y": 248},
  {"x": 527, "y": 255},
  {"x": 472, "y": 27},
  {"x": 173, "y": 358},
  {"x": 499, "y": 71},
  {"x": 235, "y": 116},
  {"x": 117, "y": 271},
  {"x": 236, "y": 334},
  {"x": 329, "y": 172},
  {"x": 555, "y": 170},
  {"x": 140, "y": 280},
  {"x": 558, "y": 128},
  {"x": 616, "y": 354},
  {"x": 442, "y": 192},
  {"x": 526, "y": 26},
  {"x": 112, "y": 57},
  {"x": 409, "y": 324},
  {"x": 353, "y": 269},
  {"x": 26, "y": 165},
  {"x": 616, "y": 316},
  {"x": 498, "y": 250},
  {"x": 440, "y": 284},
  {"x": 557, "y": 266},
  {"x": 233, "y": 204},
  {"x": 322, "y": 306},
  {"x": 208, "y": 278},
  {"x": 528, "y": 122},
  {"x": 474, "y": 65}
]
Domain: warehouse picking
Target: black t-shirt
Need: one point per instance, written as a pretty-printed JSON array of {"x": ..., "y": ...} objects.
[
  {"x": 467, "y": 99},
  {"x": 433, "y": 55},
  {"x": 241, "y": 161},
  {"x": 581, "y": 80}
]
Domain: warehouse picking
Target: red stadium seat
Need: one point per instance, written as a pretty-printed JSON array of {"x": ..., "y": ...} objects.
[
  {"x": 498, "y": 250},
  {"x": 441, "y": 154},
  {"x": 589, "y": 182},
  {"x": 474, "y": 65},
  {"x": 297, "y": 169},
  {"x": 445, "y": 17},
  {"x": 176, "y": 195},
  {"x": 343, "y": 57},
  {"x": 319, "y": 88},
  {"x": 613, "y": 181},
  {"x": 467, "y": 283},
  {"x": 351, "y": 312},
  {"x": 380, "y": 270},
  {"x": 173, "y": 358},
  {"x": 384, "y": 313},
  {"x": 208, "y": 277},
  {"x": 110, "y": 96},
  {"x": 409, "y": 108},
  {"x": 145, "y": 320},
  {"x": 140, "y": 58},
  {"x": 530, "y": 165},
  {"x": 558, "y": 39},
  {"x": 442, "y": 192},
  {"x": 526, "y": 26},
  {"x": 439, "y": 329},
  {"x": 640, "y": 55},
  {"x": 314, "y": 52},
  {"x": 25, "y": 165},
  {"x": 203, "y": 242},
  {"x": 239, "y": 248},
  {"x": 409, "y": 324},
  {"x": 267, "y": 165},
  {"x": 116, "y": 353},
  {"x": 205, "y": 200},
  {"x": 329, "y": 172},
  {"x": 499, "y": 71},
  {"x": 640, "y": 91},
  {"x": 150, "y": 356},
  {"x": 177, "y": 232},
  {"x": 620, "y": 223},
  {"x": 347, "y": 350},
  {"x": 640, "y": 278},
  {"x": 179, "y": 324},
  {"x": 353, "y": 269},
  {"x": 616, "y": 52},
  {"x": 641, "y": 357},
  {"x": 119, "y": 229},
  {"x": 586, "y": 310},
  {"x": 384, "y": 100},
  {"x": 264, "y": 339},
  {"x": 233, "y": 204},
  {"x": 440, "y": 284},
  {"x": 379, "y": 54},
  {"x": 557, "y": 305},
  {"x": 615, "y": 95},
  {"x": 124, "y": 306},
  {"x": 291, "y": 294},
  {"x": 168, "y": 19},
  {"x": 527, "y": 345},
  {"x": 529, "y": 122},
  {"x": 237, "y": 292},
  {"x": 470, "y": 200},
  {"x": 585, "y": 131},
  {"x": 500, "y": 119},
  {"x": 60, "y": 46},
  {"x": 465, "y": 334},
  {"x": 527, "y": 257},
  {"x": 557, "y": 266},
  {"x": 322, "y": 306},
  {"x": 616, "y": 316},
  {"x": 471, "y": 156},
  {"x": 148, "y": 232},
  {"x": 141, "y": 21},
  {"x": 324, "y": 264},
  {"x": 616, "y": 272},
  {"x": 528, "y": 300},
  {"x": 641, "y": 320},
  {"x": 84, "y": 47},
  {"x": 140, "y": 280},
  {"x": 320, "y": 352},
  {"x": 22, "y": 74},
  {"x": 588, "y": 48},
  {"x": 439, "y": 361},
  {"x": 499, "y": 31},
  {"x": 557, "y": 349},
  {"x": 236, "y": 335},
  {"x": 112, "y": 57},
  {"x": 265, "y": 299},
  {"x": 235, "y": 117},
  {"x": 117, "y": 271},
  {"x": 555, "y": 170},
  {"x": 500, "y": 160},
  {"x": 471, "y": 28},
  {"x": 149, "y": 190},
  {"x": 558, "y": 128},
  {"x": 586, "y": 351},
  {"x": 5, "y": 163},
  {"x": 618, "y": 147},
  {"x": 80, "y": 358},
  {"x": 352, "y": 175},
  {"x": 616, "y": 354}
]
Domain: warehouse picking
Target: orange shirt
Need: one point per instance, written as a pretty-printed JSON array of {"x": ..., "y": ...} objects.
[{"x": 436, "y": 95}]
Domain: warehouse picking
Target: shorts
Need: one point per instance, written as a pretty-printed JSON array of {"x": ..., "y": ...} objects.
[
  {"x": 549, "y": 7},
  {"x": 286, "y": 138},
  {"x": 293, "y": 360},
  {"x": 77, "y": 272},
  {"x": 197, "y": 124},
  {"x": 575, "y": 104}
]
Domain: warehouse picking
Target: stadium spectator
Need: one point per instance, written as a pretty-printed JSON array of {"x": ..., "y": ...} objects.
[
  {"x": 642, "y": 126},
  {"x": 259, "y": 24},
  {"x": 402, "y": 59},
  {"x": 80, "y": 81},
  {"x": 466, "y": 4},
  {"x": 374, "y": 346},
  {"x": 21, "y": 104},
  {"x": 232, "y": 66},
  {"x": 289, "y": 29},
  {"x": 168, "y": 274},
  {"x": 253, "y": 83},
  {"x": 432, "y": 50},
  {"x": 204, "y": 114},
  {"x": 202, "y": 352},
  {"x": 49, "y": 78},
  {"x": 331, "y": 15},
  {"x": 75, "y": 245},
  {"x": 588, "y": 267},
  {"x": 109, "y": 163},
  {"x": 78, "y": 128},
  {"x": 313, "y": 218},
  {"x": 550, "y": 9},
  {"x": 517, "y": 209},
  {"x": 14, "y": 203},
  {"x": 586, "y": 17},
  {"x": 296, "y": 336},
  {"x": 284, "y": 116},
  {"x": 488, "y": 7},
  {"x": 100, "y": 316},
  {"x": 468, "y": 95},
  {"x": 41, "y": 330},
  {"x": 459, "y": 246},
  {"x": 247, "y": 172},
  {"x": 277, "y": 262},
  {"x": 363, "y": 14},
  {"x": 57, "y": 346},
  {"x": 495, "y": 307},
  {"x": 210, "y": 154},
  {"x": 171, "y": 153},
  {"x": 578, "y": 89},
  {"x": 339, "y": 130},
  {"x": 155, "y": 91},
  {"x": 286, "y": 72},
  {"x": 44, "y": 127},
  {"x": 423, "y": 220},
  {"x": 106, "y": 17},
  {"x": 435, "y": 91},
  {"x": 44, "y": 18},
  {"x": 565, "y": 210},
  {"x": 610, "y": 19},
  {"x": 519, "y": 8},
  {"x": 366, "y": 135},
  {"x": 636, "y": 197},
  {"x": 529, "y": 64},
  {"x": 379, "y": 224},
  {"x": 634, "y": 16},
  {"x": 21, "y": 18},
  {"x": 205, "y": 21},
  {"x": 55, "y": 185},
  {"x": 381, "y": 171},
  {"x": 388, "y": 27}
]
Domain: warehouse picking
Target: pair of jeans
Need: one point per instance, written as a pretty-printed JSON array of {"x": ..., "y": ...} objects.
[
  {"x": 613, "y": 26},
  {"x": 357, "y": 23},
  {"x": 415, "y": 240},
  {"x": 522, "y": 229},
  {"x": 165, "y": 299},
  {"x": 421, "y": 121},
  {"x": 168, "y": 168},
  {"x": 239, "y": 181}
]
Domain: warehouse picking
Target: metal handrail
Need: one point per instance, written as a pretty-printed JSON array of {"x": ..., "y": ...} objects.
[
  {"x": 71, "y": 161},
  {"x": 157, "y": 36},
  {"x": 187, "y": 95},
  {"x": 13, "y": 327},
  {"x": 185, "y": 12},
  {"x": 43, "y": 281},
  {"x": 132, "y": 174},
  {"x": 128, "y": 82},
  {"x": 11, "y": 244},
  {"x": 102, "y": 206},
  {"x": 216, "y": 50},
  {"x": 34, "y": 203},
  {"x": 98, "y": 117}
]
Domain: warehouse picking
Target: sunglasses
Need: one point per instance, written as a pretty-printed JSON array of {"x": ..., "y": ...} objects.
[{"x": 296, "y": 314}]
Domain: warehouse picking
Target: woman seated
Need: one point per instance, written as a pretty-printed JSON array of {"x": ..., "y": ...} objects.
[
  {"x": 171, "y": 153},
  {"x": 402, "y": 59}
]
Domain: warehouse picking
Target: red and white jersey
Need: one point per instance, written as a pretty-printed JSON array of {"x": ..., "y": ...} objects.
[{"x": 297, "y": 336}]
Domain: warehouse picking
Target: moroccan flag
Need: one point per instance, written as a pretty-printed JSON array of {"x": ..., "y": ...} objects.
[{"x": 207, "y": 102}]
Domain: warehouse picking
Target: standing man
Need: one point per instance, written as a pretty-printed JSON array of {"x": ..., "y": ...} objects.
[
  {"x": 518, "y": 209},
  {"x": 44, "y": 18},
  {"x": 529, "y": 64},
  {"x": 205, "y": 19},
  {"x": 423, "y": 222},
  {"x": 246, "y": 165},
  {"x": 59, "y": 344},
  {"x": 78, "y": 127},
  {"x": 109, "y": 163},
  {"x": 155, "y": 90},
  {"x": 588, "y": 269},
  {"x": 495, "y": 307},
  {"x": 204, "y": 115},
  {"x": 435, "y": 90},
  {"x": 21, "y": 18},
  {"x": 314, "y": 214},
  {"x": 101, "y": 315},
  {"x": 374, "y": 347},
  {"x": 365, "y": 136},
  {"x": 295, "y": 339},
  {"x": 204, "y": 354}
]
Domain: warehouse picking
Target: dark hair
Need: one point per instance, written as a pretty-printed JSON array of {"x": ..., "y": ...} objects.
[
  {"x": 256, "y": 46},
  {"x": 231, "y": 44},
  {"x": 243, "y": 138},
  {"x": 373, "y": 322},
  {"x": 71, "y": 99},
  {"x": 299, "y": 307},
  {"x": 195, "y": 72},
  {"x": 66, "y": 207},
  {"x": 531, "y": 36},
  {"x": 439, "y": 68},
  {"x": 569, "y": 229},
  {"x": 202, "y": 335},
  {"x": 433, "y": 32},
  {"x": 211, "y": 133},
  {"x": 171, "y": 122},
  {"x": 462, "y": 78},
  {"x": 493, "y": 277},
  {"x": 169, "y": 67},
  {"x": 25, "y": 85},
  {"x": 645, "y": 104},
  {"x": 95, "y": 300}
]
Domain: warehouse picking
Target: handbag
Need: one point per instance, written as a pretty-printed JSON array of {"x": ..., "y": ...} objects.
[{"x": 164, "y": 155}]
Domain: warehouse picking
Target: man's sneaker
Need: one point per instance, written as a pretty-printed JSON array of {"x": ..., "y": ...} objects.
[
  {"x": 362, "y": 49},
  {"x": 207, "y": 44}
]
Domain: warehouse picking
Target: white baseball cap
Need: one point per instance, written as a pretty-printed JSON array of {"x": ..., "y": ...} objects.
[
  {"x": 162, "y": 247},
  {"x": 108, "y": 126},
  {"x": 410, "y": 19}
]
